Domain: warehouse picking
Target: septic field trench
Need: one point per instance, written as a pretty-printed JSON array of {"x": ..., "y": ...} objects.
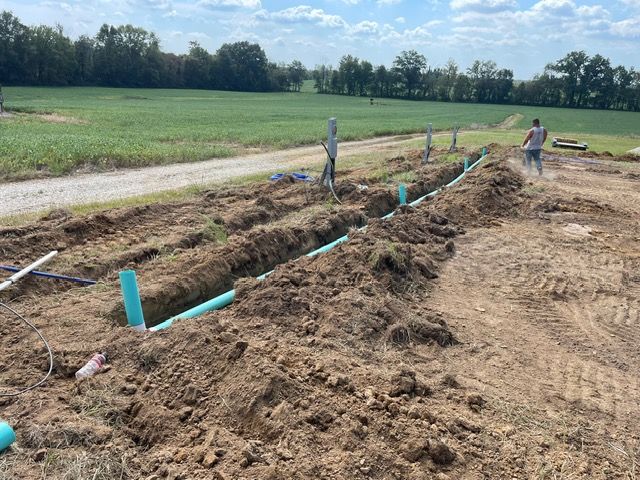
[{"x": 480, "y": 335}]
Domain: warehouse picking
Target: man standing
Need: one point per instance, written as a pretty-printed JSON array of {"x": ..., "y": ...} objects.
[{"x": 533, "y": 145}]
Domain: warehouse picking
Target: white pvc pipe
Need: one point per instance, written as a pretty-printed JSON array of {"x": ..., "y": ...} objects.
[{"x": 25, "y": 271}]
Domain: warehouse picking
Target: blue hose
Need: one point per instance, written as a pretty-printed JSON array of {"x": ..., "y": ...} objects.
[{"x": 50, "y": 275}]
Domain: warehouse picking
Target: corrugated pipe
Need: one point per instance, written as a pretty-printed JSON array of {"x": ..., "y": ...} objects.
[{"x": 227, "y": 298}]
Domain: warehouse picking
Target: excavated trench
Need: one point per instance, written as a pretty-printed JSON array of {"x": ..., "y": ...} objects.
[{"x": 262, "y": 250}]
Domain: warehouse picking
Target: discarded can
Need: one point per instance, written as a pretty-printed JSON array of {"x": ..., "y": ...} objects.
[
  {"x": 92, "y": 366},
  {"x": 7, "y": 435}
]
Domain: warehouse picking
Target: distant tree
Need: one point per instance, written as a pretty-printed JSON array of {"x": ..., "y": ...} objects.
[
  {"x": 349, "y": 69},
  {"x": 381, "y": 82},
  {"x": 462, "y": 89},
  {"x": 198, "y": 67},
  {"x": 321, "y": 77},
  {"x": 571, "y": 70},
  {"x": 364, "y": 78},
  {"x": 52, "y": 56},
  {"x": 279, "y": 77},
  {"x": 244, "y": 67},
  {"x": 296, "y": 73},
  {"x": 410, "y": 65},
  {"x": 623, "y": 81},
  {"x": 84, "y": 50},
  {"x": 447, "y": 81},
  {"x": 14, "y": 47},
  {"x": 335, "y": 85},
  {"x": 129, "y": 56}
]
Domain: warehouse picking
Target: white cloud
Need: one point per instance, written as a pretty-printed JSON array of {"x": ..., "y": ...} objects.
[
  {"x": 303, "y": 14},
  {"x": 595, "y": 11},
  {"x": 158, "y": 4},
  {"x": 200, "y": 35},
  {"x": 250, "y": 4},
  {"x": 366, "y": 27},
  {"x": 388, "y": 2},
  {"x": 400, "y": 20},
  {"x": 483, "y": 5},
  {"x": 629, "y": 28}
]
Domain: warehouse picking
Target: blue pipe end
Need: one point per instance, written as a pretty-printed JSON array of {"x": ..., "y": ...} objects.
[
  {"x": 7, "y": 436},
  {"x": 466, "y": 164},
  {"x": 402, "y": 193},
  {"x": 131, "y": 298},
  {"x": 484, "y": 151}
]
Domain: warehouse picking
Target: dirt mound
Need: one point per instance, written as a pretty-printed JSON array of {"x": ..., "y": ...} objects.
[
  {"x": 491, "y": 191},
  {"x": 352, "y": 292}
]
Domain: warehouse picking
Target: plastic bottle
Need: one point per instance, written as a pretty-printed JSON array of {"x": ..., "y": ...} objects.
[{"x": 92, "y": 366}]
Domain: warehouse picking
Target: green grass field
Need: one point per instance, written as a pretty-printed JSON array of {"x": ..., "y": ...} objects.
[{"x": 58, "y": 130}]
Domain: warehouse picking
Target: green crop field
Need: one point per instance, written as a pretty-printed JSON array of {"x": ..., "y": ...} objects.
[{"x": 58, "y": 130}]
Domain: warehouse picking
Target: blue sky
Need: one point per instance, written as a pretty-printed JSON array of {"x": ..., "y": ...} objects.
[{"x": 523, "y": 35}]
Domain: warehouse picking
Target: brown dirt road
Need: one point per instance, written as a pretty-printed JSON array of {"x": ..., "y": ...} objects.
[{"x": 491, "y": 333}]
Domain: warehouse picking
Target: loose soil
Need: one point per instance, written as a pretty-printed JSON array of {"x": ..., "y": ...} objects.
[{"x": 489, "y": 333}]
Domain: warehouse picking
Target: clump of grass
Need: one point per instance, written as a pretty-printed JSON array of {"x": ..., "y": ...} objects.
[
  {"x": 381, "y": 174},
  {"x": 214, "y": 231},
  {"x": 81, "y": 466},
  {"x": 405, "y": 177},
  {"x": 389, "y": 257},
  {"x": 98, "y": 400}
]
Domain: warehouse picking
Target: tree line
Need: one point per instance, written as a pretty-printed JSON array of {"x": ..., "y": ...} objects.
[
  {"x": 577, "y": 81},
  {"x": 128, "y": 56}
]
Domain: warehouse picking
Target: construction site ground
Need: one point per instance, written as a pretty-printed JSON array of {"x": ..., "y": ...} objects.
[{"x": 489, "y": 333}]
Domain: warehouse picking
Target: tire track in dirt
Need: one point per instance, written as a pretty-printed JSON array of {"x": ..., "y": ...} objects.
[
  {"x": 553, "y": 317},
  {"x": 563, "y": 369}
]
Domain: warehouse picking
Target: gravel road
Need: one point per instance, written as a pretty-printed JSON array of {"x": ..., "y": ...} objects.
[{"x": 43, "y": 194}]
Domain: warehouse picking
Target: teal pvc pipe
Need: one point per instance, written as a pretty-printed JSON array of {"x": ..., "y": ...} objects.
[
  {"x": 7, "y": 436},
  {"x": 402, "y": 193},
  {"x": 131, "y": 298},
  {"x": 216, "y": 303},
  {"x": 227, "y": 298},
  {"x": 466, "y": 164},
  {"x": 265, "y": 275},
  {"x": 484, "y": 152},
  {"x": 328, "y": 246}
]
